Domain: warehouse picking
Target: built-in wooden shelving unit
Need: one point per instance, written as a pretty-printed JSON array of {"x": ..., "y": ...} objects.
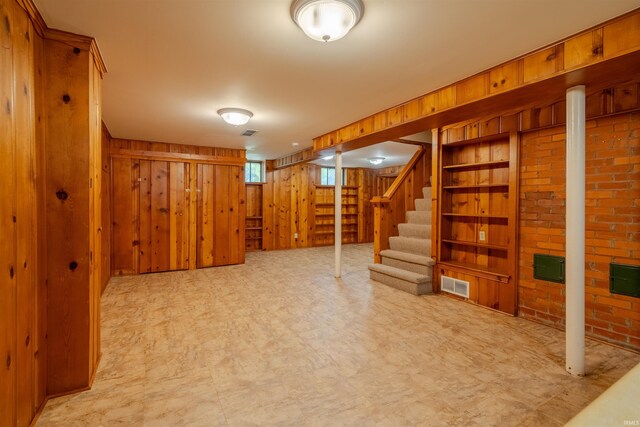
[
  {"x": 478, "y": 217},
  {"x": 253, "y": 220},
  {"x": 325, "y": 215}
]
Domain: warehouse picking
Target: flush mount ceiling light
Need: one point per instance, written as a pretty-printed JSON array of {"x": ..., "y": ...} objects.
[
  {"x": 326, "y": 20},
  {"x": 235, "y": 116},
  {"x": 376, "y": 160},
  {"x": 327, "y": 158}
]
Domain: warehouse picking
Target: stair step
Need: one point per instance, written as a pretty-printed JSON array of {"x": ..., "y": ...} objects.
[
  {"x": 411, "y": 245},
  {"x": 403, "y": 280},
  {"x": 408, "y": 266},
  {"x": 426, "y": 193},
  {"x": 423, "y": 205},
  {"x": 419, "y": 217},
  {"x": 407, "y": 257},
  {"x": 420, "y": 231}
]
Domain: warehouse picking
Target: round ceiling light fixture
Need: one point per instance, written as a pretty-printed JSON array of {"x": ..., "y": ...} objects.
[
  {"x": 326, "y": 20},
  {"x": 376, "y": 160},
  {"x": 235, "y": 116}
]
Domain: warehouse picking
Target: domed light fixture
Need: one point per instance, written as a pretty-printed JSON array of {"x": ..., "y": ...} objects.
[
  {"x": 326, "y": 20},
  {"x": 235, "y": 116},
  {"x": 376, "y": 160}
]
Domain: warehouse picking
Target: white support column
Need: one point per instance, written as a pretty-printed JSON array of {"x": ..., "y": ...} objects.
[
  {"x": 575, "y": 240},
  {"x": 338, "y": 215}
]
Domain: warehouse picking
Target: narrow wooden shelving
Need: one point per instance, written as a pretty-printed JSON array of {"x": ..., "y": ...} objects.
[
  {"x": 475, "y": 186},
  {"x": 477, "y": 226},
  {"x": 476, "y": 244},
  {"x": 478, "y": 165},
  {"x": 475, "y": 268},
  {"x": 325, "y": 214},
  {"x": 453, "y": 214}
]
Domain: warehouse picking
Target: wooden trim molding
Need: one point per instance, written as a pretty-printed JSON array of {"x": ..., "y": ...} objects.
[
  {"x": 77, "y": 40},
  {"x": 166, "y": 156},
  {"x": 607, "y": 54}
]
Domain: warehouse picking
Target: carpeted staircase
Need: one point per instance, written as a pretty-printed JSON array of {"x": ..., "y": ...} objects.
[{"x": 407, "y": 265}]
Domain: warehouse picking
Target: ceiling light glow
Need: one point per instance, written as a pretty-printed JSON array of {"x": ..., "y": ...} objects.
[
  {"x": 376, "y": 160},
  {"x": 235, "y": 116},
  {"x": 327, "y": 157},
  {"x": 326, "y": 20}
]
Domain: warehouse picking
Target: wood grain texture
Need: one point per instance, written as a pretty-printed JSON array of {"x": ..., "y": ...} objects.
[
  {"x": 8, "y": 260},
  {"x": 607, "y": 53},
  {"x": 72, "y": 99},
  {"x": 477, "y": 196},
  {"x": 391, "y": 208}
]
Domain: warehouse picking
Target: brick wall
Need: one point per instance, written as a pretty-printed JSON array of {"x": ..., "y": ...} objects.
[{"x": 612, "y": 223}]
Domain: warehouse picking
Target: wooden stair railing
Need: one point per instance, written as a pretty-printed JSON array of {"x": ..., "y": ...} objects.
[{"x": 390, "y": 209}]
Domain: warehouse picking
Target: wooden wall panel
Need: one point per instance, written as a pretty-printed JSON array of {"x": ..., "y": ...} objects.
[
  {"x": 8, "y": 261},
  {"x": 105, "y": 207},
  {"x": 163, "y": 216},
  {"x": 608, "y": 53},
  {"x": 124, "y": 185},
  {"x": 26, "y": 214},
  {"x": 221, "y": 215},
  {"x": 67, "y": 216}
]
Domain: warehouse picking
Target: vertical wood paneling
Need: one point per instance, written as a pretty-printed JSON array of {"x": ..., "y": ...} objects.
[
  {"x": 124, "y": 187},
  {"x": 26, "y": 215},
  {"x": 68, "y": 266},
  {"x": 8, "y": 276}
]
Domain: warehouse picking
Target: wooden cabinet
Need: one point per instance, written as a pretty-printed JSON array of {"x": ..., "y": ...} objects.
[
  {"x": 176, "y": 215},
  {"x": 163, "y": 223},
  {"x": 325, "y": 215},
  {"x": 478, "y": 216},
  {"x": 220, "y": 224}
]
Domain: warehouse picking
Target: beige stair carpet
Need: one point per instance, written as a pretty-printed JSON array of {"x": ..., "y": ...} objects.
[{"x": 407, "y": 264}]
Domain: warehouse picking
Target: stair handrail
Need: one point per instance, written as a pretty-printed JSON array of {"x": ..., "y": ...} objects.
[
  {"x": 380, "y": 204},
  {"x": 391, "y": 191}
]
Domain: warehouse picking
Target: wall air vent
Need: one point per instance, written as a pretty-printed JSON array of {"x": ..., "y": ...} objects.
[
  {"x": 454, "y": 286},
  {"x": 249, "y": 132}
]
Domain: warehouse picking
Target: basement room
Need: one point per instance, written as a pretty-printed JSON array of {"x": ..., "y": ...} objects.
[{"x": 320, "y": 213}]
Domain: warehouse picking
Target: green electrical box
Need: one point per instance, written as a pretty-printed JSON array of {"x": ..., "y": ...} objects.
[
  {"x": 548, "y": 267},
  {"x": 624, "y": 279}
]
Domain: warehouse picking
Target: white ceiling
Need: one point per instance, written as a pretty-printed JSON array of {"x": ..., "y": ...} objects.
[
  {"x": 394, "y": 153},
  {"x": 173, "y": 63}
]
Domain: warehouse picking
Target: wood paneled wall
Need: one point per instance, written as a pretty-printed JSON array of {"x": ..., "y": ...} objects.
[
  {"x": 593, "y": 57},
  {"x": 105, "y": 200},
  {"x": 22, "y": 294},
  {"x": 46, "y": 332},
  {"x": 72, "y": 136},
  {"x": 179, "y": 206},
  {"x": 289, "y": 196}
]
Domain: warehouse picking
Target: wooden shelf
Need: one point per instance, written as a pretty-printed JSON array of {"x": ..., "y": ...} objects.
[
  {"x": 327, "y": 233},
  {"x": 332, "y": 214},
  {"x": 473, "y": 267},
  {"x": 475, "y": 215},
  {"x": 333, "y": 204},
  {"x": 477, "y": 245},
  {"x": 253, "y": 217},
  {"x": 253, "y": 228},
  {"x": 475, "y": 186},
  {"x": 479, "y": 165},
  {"x": 253, "y": 238}
]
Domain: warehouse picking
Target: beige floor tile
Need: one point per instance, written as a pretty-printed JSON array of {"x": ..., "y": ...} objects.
[{"x": 280, "y": 341}]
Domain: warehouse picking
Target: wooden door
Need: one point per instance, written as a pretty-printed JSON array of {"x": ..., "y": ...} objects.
[
  {"x": 164, "y": 216},
  {"x": 220, "y": 215}
]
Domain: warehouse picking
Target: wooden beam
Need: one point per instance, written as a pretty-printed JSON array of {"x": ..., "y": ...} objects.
[{"x": 610, "y": 58}]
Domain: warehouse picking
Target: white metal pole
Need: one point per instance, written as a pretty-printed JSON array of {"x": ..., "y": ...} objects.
[
  {"x": 338, "y": 215},
  {"x": 575, "y": 240}
]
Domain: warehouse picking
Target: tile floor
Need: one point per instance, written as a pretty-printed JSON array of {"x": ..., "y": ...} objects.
[{"x": 279, "y": 341}]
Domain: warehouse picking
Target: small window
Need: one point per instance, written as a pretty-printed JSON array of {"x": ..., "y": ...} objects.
[
  {"x": 253, "y": 172},
  {"x": 328, "y": 176}
]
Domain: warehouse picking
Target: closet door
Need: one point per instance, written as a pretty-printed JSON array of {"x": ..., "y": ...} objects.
[
  {"x": 220, "y": 215},
  {"x": 164, "y": 216}
]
